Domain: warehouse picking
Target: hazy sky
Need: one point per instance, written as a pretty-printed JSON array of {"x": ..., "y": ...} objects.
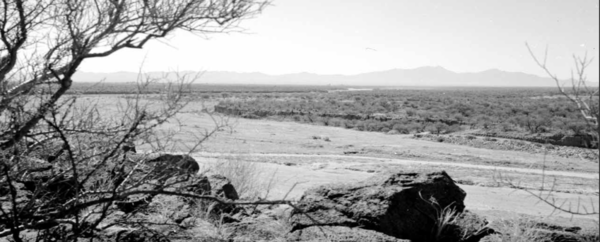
[{"x": 351, "y": 36}]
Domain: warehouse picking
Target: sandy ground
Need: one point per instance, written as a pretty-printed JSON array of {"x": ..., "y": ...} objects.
[
  {"x": 297, "y": 156},
  {"x": 288, "y": 154},
  {"x": 291, "y": 181}
]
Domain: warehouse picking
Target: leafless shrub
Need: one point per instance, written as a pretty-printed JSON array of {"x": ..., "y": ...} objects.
[
  {"x": 578, "y": 92},
  {"x": 62, "y": 163},
  {"x": 586, "y": 100}
]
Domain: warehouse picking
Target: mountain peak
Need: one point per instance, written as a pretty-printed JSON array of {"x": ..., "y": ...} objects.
[
  {"x": 431, "y": 68},
  {"x": 421, "y": 76}
]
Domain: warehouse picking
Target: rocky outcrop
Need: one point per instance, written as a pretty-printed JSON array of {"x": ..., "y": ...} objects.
[
  {"x": 169, "y": 165},
  {"x": 140, "y": 236},
  {"x": 165, "y": 166},
  {"x": 213, "y": 185},
  {"x": 401, "y": 205},
  {"x": 341, "y": 233}
]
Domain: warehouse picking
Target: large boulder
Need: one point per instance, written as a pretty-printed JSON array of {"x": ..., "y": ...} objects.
[
  {"x": 402, "y": 205},
  {"x": 169, "y": 165},
  {"x": 164, "y": 166}
]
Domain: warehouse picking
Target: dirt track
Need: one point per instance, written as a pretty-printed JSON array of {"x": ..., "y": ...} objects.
[{"x": 440, "y": 163}]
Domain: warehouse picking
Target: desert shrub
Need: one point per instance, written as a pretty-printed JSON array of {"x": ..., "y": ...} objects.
[
  {"x": 349, "y": 124},
  {"x": 402, "y": 128},
  {"x": 315, "y": 119},
  {"x": 577, "y": 127},
  {"x": 250, "y": 116},
  {"x": 452, "y": 128},
  {"x": 336, "y": 122},
  {"x": 374, "y": 126},
  {"x": 297, "y": 118},
  {"x": 506, "y": 127},
  {"x": 436, "y": 128},
  {"x": 493, "y": 110},
  {"x": 306, "y": 119},
  {"x": 490, "y": 139},
  {"x": 360, "y": 125}
]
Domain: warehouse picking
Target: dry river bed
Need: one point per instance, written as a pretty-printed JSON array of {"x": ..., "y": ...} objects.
[
  {"x": 294, "y": 157},
  {"x": 488, "y": 188}
]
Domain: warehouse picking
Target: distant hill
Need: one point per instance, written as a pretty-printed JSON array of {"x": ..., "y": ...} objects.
[{"x": 422, "y": 76}]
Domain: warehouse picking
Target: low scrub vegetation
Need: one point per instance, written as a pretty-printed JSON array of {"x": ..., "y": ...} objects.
[
  {"x": 204, "y": 91},
  {"x": 525, "y": 113}
]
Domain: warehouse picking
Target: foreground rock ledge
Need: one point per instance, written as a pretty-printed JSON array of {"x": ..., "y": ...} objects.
[{"x": 396, "y": 204}]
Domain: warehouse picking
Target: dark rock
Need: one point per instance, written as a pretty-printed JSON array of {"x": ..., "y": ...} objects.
[
  {"x": 202, "y": 187},
  {"x": 134, "y": 205},
  {"x": 547, "y": 226},
  {"x": 479, "y": 235},
  {"x": 340, "y": 233},
  {"x": 128, "y": 147},
  {"x": 140, "y": 236},
  {"x": 215, "y": 185},
  {"x": 5, "y": 188},
  {"x": 402, "y": 205},
  {"x": 546, "y": 235},
  {"x": 220, "y": 187},
  {"x": 170, "y": 165},
  {"x": 180, "y": 217},
  {"x": 551, "y": 232}
]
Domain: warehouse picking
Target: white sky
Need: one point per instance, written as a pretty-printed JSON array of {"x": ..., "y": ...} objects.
[{"x": 351, "y": 36}]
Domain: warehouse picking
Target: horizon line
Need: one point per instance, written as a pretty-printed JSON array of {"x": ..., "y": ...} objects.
[{"x": 306, "y": 72}]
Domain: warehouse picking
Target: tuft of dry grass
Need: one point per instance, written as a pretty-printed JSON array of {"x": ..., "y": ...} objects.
[{"x": 247, "y": 178}]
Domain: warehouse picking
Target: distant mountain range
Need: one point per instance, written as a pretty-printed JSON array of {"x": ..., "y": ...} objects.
[{"x": 422, "y": 76}]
